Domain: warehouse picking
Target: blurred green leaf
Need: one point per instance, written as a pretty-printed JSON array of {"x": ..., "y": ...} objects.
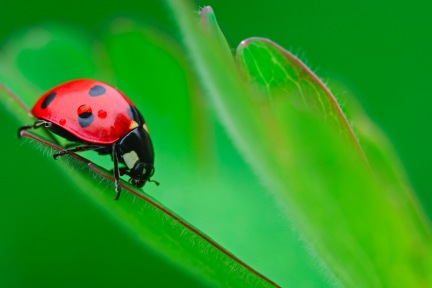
[
  {"x": 48, "y": 55},
  {"x": 344, "y": 212},
  {"x": 210, "y": 24},
  {"x": 382, "y": 158},
  {"x": 154, "y": 75}
]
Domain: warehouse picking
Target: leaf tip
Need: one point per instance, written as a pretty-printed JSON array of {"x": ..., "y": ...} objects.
[
  {"x": 248, "y": 42},
  {"x": 207, "y": 16},
  {"x": 207, "y": 9}
]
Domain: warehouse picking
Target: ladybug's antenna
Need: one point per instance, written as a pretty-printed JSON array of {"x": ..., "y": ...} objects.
[
  {"x": 154, "y": 181},
  {"x": 37, "y": 124}
]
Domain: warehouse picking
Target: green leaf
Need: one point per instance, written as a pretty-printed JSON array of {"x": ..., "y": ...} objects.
[
  {"x": 382, "y": 157},
  {"x": 174, "y": 244},
  {"x": 48, "y": 55},
  {"x": 281, "y": 76},
  {"x": 297, "y": 144},
  {"x": 210, "y": 24}
]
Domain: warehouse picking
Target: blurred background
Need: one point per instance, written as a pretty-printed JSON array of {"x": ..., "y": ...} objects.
[{"x": 380, "y": 51}]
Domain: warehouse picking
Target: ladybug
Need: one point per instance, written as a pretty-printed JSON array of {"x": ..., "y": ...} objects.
[{"x": 100, "y": 118}]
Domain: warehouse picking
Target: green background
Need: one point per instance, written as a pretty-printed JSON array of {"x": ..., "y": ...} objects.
[{"x": 380, "y": 51}]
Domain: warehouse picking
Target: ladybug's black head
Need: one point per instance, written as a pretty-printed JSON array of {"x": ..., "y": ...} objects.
[
  {"x": 136, "y": 152},
  {"x": 140, "y": 173}
]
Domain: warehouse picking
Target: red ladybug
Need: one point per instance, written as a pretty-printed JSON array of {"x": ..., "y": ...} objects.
[{"x": 103, "y": 119}]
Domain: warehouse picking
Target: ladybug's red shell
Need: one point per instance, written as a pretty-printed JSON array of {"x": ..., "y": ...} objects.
[{"x": 91, "y": 110}]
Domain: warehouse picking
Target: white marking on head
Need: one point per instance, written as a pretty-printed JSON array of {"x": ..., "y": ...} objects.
[
  {"x": 130, "y": 159},
  {"x": 146, "y": 128}
]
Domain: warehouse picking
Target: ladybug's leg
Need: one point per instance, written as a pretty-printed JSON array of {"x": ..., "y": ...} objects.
[
  {"x": 36, "y": 124},
  {"x": 124, "y": 171},
  {"x": 116, "y": 172},
  {"x": 77, "y": 149}
]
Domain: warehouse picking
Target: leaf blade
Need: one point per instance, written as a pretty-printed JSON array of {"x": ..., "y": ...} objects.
[{"x": 293, "y": 133}]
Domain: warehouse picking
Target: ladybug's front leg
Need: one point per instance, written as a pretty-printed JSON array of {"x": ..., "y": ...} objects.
[
  {"x": 124, "y": 171},
  {"x": 116, "y": 171}
]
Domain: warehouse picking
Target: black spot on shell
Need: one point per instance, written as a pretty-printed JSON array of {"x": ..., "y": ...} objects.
[
  {"x": 97, "y": 90},
  {"x": 85, "y": 115},
  {"x": 85, "y": 119},
  {"x": 131, "y": 115},
  {"x": 48, "y": 99}
]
